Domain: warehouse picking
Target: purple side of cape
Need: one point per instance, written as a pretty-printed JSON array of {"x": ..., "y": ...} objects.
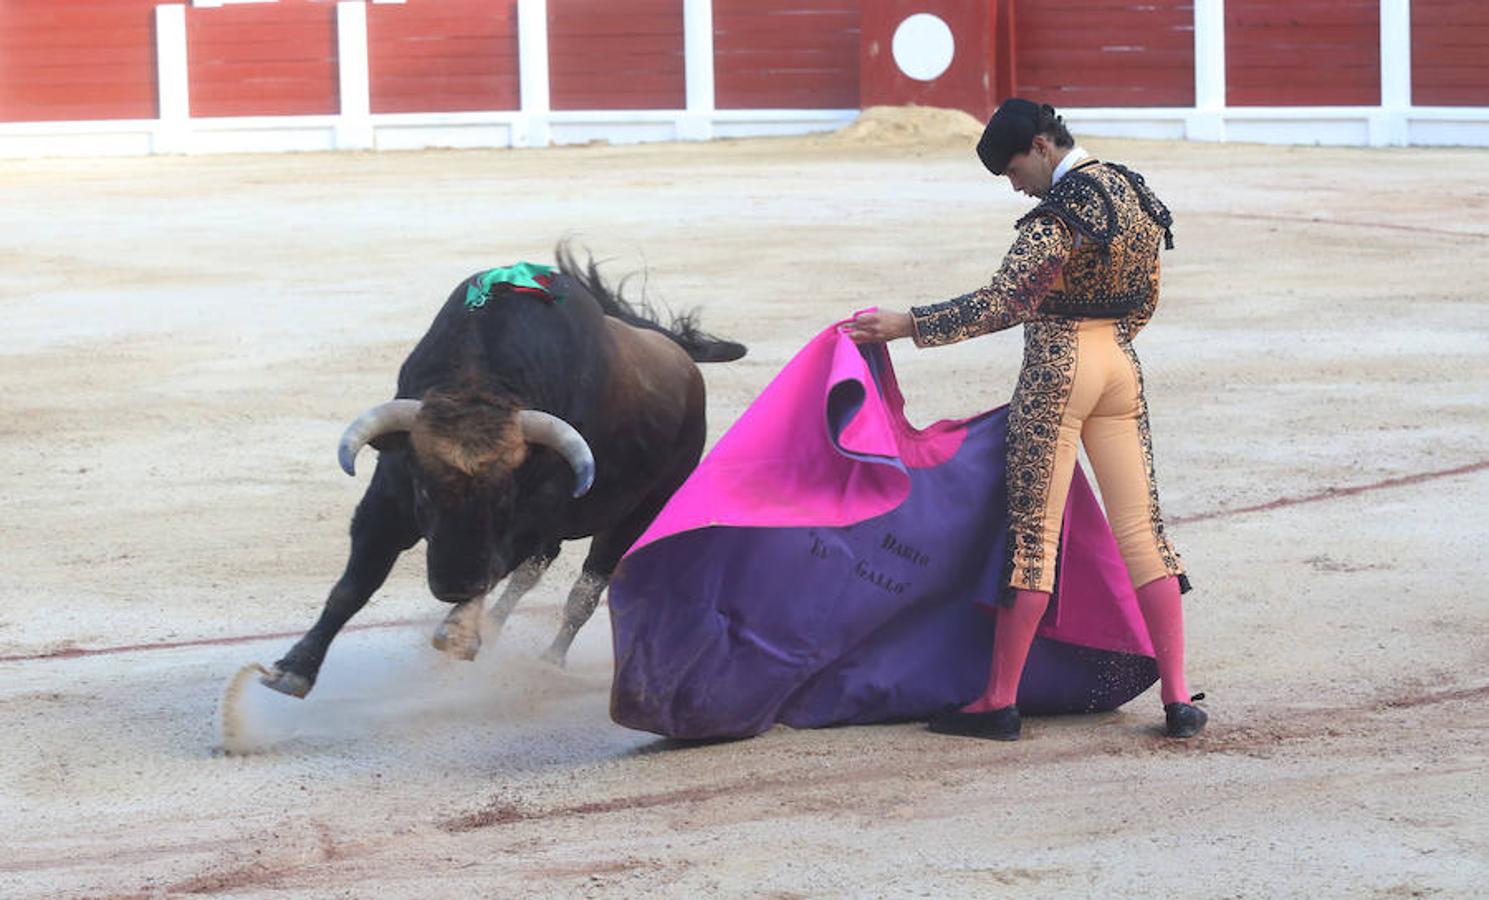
[{"x": 828, "y": 564}]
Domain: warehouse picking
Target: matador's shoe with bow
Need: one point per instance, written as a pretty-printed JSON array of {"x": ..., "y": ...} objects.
[
  {"x": 1184, "y": 720},
  {"x": 1002, "y": 724}
]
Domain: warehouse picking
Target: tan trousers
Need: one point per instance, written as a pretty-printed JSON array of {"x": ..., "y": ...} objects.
[{"x": 1081, "y": 383}]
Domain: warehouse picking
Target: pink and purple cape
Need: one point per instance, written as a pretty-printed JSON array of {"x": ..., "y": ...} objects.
[{"x": 827, "y": 563}]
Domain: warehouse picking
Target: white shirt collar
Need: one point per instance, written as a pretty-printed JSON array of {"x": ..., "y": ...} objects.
[{"x": 1072, "y": 159}]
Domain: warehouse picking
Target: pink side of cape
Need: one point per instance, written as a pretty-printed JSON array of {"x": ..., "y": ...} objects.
[{"x": 777, "y": 466}]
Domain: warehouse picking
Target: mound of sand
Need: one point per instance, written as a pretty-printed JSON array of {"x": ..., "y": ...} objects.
[{"x": 921, "y": 125}]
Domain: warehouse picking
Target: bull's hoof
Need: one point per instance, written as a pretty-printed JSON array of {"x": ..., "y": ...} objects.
[
  {"x": 456, "y": 643},
  {"x": 555, "y": 656},
  {"x": 288, "y": 683}
]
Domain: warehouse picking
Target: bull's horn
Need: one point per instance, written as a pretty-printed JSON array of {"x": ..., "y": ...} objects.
[
  {"x": 395, "y": 415},
  {"x": 551, "y": 431}
]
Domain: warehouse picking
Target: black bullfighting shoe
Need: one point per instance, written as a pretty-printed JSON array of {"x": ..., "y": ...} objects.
[
  {"x": 1182, "y": 720},
  {"x": 1001, "y": 724}
]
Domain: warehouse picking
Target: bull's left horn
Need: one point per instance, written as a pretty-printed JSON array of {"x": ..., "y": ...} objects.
[
  {"x": 551, "y": 431},
  {"x": 395, "y": 415}
]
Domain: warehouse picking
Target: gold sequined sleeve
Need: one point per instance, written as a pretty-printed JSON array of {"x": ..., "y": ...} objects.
[
  {"x": 1134, "y": 321},
  {"x": 1027, "y": 273}
]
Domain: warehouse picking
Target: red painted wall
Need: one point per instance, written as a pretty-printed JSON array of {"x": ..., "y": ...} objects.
[
  {"x": 270, "y": 59},
  {"x": 449, "y": 56},
  {"x": 786, "y": 54},
  {"x": 1450, "y": 52},
  {"x": 81, "y": 59},
  {"x": 1105, "y": 52},
  {"x": 1302, "y": 52},
  {"x": 604, "y": 54}
]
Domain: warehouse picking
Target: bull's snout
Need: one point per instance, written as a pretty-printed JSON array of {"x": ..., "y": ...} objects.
[
  {"x": 457, "y": 590},
  {"x": 456, "y": 594},
  {"x": 460, "y": 571},
  {"x": 458, "y": 586},
  {"x": 456, "y": 569}
]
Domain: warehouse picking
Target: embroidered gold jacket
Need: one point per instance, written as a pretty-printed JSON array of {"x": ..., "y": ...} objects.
[{"x": 1089, "y": 250}]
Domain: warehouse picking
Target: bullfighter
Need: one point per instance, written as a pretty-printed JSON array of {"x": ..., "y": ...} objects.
[{"x": 1082, "y": 278}]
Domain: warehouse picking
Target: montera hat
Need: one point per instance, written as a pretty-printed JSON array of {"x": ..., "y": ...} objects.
[{"x": 1010, "y": 132}]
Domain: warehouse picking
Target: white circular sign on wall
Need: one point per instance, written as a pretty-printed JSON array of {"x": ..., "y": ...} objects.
[{"x": 923, "y": 46}]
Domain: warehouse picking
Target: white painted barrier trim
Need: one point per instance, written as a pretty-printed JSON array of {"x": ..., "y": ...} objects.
[
  {"x": 172, "y": 79},
  {"x": 1395, "y": 54},
  {"x": 1209, "y": 54},
  {"x": 1333, "y": 125},
  {"x": 170, "y": 58},
  {"x": 698, "y": 62},
  {"x": 532, "y": 71},
  {"x": 1206, "y": 123},
  {"x": 1286, "y": 113},
  {"x": 1389, "y": 127},
  {"x": 1454, "y": 113},
  {"x": 354, "y": 125},
  {"x": 1232, "y": 112},
  {"x": 261, "y": 123},
  {"x": 402, "y": 131},
  {"x": 504, "y": 117},
  {"x": 784, "y": 115},
  {"x": 1429, "y": 126}
]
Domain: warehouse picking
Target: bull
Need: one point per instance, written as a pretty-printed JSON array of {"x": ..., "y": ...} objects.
[{"x": 521, "y": 420}]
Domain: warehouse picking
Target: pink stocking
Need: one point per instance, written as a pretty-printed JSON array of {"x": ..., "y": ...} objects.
[
  {"x": 1163, "y": 613},
  {"x": 1011, "y": 640}
]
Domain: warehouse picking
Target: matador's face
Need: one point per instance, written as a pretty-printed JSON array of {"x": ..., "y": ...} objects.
[{"x": 1033, "y": 171}]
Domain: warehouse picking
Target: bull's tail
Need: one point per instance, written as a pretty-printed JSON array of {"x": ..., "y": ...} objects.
[
  {"x": 701, "y": 346},
  {"x": 681, "y": 327}
]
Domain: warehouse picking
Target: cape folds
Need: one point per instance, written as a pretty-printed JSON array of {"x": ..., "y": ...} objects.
[{"x": 829, "y": 563}]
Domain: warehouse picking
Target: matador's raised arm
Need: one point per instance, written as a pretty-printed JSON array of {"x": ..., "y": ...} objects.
[{"x": 1012, "y": 297}]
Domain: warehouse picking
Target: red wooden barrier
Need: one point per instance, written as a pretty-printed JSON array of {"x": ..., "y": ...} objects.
[
  {"x": 96, "y": 59},
  {"x": 608, "y": 55},
  {"x": 785, "y": 54},
  {"x": 83, "y": 59},
  {"x": 272, "y": 59},
  {"x": 1106, "y": 52},
  {"x": 1302, "y": 52},
  {"x": 1450, "y": 52},
  {"x": 450, "y": 56}
]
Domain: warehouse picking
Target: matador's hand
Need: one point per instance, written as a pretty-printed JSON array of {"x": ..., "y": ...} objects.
[{"x": 878, "y": 327}]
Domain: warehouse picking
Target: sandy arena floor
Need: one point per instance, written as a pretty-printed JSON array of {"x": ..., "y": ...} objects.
[{"x": 182, "y": 341}]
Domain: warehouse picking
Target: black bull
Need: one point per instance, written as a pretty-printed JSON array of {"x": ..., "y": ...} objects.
[{"x": 504, "y": 413}]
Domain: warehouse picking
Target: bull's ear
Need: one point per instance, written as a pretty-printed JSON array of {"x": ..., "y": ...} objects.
[{"x": 392, "y": 440}]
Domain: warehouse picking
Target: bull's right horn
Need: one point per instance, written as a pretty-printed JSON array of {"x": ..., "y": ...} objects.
[
  {"x": 395, "y": 415},
  {"x": 551, "y": 431}
]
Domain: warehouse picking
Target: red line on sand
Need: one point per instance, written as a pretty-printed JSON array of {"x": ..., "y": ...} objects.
[
  {"x": 1332, "y": 493},
  {"x": 1346, "y": 223},
  {"x": 76, "y": 652},
  {"x": 1280, "y": 503}
]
